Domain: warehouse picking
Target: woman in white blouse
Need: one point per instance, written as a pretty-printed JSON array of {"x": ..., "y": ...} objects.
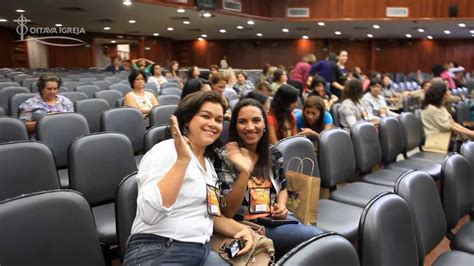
[
  {"x": 174, "y": 220},
  {"x": 375, "y": 102}
]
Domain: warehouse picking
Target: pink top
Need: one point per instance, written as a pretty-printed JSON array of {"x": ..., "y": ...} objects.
[
  {"x": 272, "y": 121},
  {"x": 301, "y": 72},
  {"x": 447, "y": 76}
]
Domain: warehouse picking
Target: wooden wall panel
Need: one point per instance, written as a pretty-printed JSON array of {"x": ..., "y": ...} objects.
[
  {"x": 6, "y": 45},
  {"x": 71, "y": 57}
]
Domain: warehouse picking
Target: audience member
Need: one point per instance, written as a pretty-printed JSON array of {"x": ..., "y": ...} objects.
[
  {"x": 243, "y": 85},
  {"x": 265, "y": 88},
  {"x": 139, "y": 98},
  {"x": 156, "y": 77},
  {"x": 375, "y": 102},
  {"x": 116, "y": 65},
  {"x": 394, "y": 99},
  {"x": 324, "y": 68},
  {"x": 143, "y": 64},
  {"x": 317, "y": 88},
  {"x": 442, "y": 72},
  {"x": 192, "y": 86},
  {"x": 279, "y": 78},
  {"x": 339, "y": 74},
  {"x": 193, "y": 72},
  {"x": 301, "y": 72},
  {"x": 314, "y": 118},
  {"x": 281, "y": 119}
]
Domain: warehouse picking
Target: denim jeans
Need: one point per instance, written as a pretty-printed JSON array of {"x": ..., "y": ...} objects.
[
  {"x": 149, "y": 249},
  {"x": 287, "y": 236}
]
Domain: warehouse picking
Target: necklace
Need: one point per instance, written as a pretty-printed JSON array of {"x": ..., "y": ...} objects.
[{"x": 258, "y": 181}]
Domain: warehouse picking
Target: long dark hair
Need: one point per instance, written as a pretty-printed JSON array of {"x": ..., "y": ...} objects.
[
  {"x": 191, "y": 86},
  {"x": 353, "y": 90},
  {"x": 190, "y": 105},
  {"x": 435, "y": 95},
  {"x": 284, "y": 97},
  {"x": 262, "y": 165},
  {"x": 318, "y": 103}
]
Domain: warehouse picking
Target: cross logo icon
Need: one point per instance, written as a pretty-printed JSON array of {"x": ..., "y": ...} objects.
[{"x": 22, "y": 29}]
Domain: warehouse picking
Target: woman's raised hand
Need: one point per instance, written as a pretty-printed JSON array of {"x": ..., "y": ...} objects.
[
  {"x": 240, "y": 157},
  {"x": 181, "y": 143}
]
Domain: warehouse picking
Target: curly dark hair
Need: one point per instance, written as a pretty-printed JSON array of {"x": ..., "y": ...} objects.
[
  {"x": 435, "y": 95},
  {"x": 353, "y": 90},
  {"x": 284, "y": 97},
  {"x": 134, "y": 74},
  {"x": 46, "y": 78}
]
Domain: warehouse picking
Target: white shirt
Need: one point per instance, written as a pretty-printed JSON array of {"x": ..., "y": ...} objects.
[
  {"x": 375, "y": 103},
  {"x": 187, "y": 220},
  {"x": 157, "y": 80}
]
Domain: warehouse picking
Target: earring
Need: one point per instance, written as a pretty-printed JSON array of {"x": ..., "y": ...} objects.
[{"x": 264, "y": 129}]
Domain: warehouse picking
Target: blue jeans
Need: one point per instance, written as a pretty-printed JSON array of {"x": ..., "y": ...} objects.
[
  {"x": 287, "y": 236},
  {"x": 150, "y": 249}
]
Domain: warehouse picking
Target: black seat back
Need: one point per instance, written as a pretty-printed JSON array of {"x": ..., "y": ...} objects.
[
  {"x": 335, "y": 114},
  {"x": 302, "y": 148},
  {"x": 12, "y": 129},
  {"x": 366, "y": 146},
  {"x": 74, "y": 96},
  {"x": 7, "y": 93},
  {"x": 92, "y": 110},
  {"x": 391, "y": 139},
  {"x": 89, "y": 90},
  {"x": 154, "y": 135},
  {"x": 125, "y": 209},
  {"x": 467, "y": 150},
  {"x": 160, "y": 115},
  {"x": 169, "y": 99},
  {"x": 128, "y": 121},
  {"x": 411, "y": 126}
]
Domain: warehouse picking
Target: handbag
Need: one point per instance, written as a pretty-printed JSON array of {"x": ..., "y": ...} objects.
[
  {"x": 303, "y": 193},
  {"x": 261, "y": 253}
]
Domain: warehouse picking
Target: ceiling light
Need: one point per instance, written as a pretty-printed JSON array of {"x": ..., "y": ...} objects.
[
  {"x": 186, "y": 22},
  {"x": 127, "y": 2},
  {"x": 321, "y": 23},
  {"x": 156, "y": 34},
  {"x": 169, "y": 29},
  {"x": 222, "y": 31},
  {"x": 421, "y": 30},
  {"x": 462, "y": 25},
  {"x": 285, "y": 30},
  {"x": 447, "y": 32},
  {"x": 200, "y": 39},
  {"x": 305, "y": 37},
  {"x": 408, "y": 35},
  {"x": 472, "y": 31},
  {"x": 250, "y": 22},
  {"x": 429, "y": 37},
  {"x": 180, "y": 10},
  {"x": 375, "y": 26},
  {"x": 204, "y": 35},
  {"x": 132, "y": 21},
  {"x": 106, "y": 28},
  {"x": 58, "y": 25},
  {"x": 113, "y": 41},
  {"x": 239, "y": 27},
  {"x": 20, "y": 11},
  {"x": 3, "y": 20},
  {"x": 207, "y": 15},
  {"x": 259, "y": 34},
  {"x": 337, "y": 33},
  {"x": 370, "y": 35},
  {"x": 147, "y": 48}
]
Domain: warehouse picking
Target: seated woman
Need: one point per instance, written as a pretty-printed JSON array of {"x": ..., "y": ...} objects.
[
  {"x": 48, "y": 101},
  {"x": 352, "y": 109},
  {"x": 143, "y": 64},
  {"x": 375, "y": 102},
  {"x": 242, "y": 86},
  {"x": 279, "y": 78},
  {"x": 265, "y": 88},
  {"x": 219, "y": 84},
  {"x": 174, "y": 222},
  {"x": 193, "y": 72},
  {"x": 314, "y": 118},
  {"x": 435, "y": 117},
  {"x": 156, "y": 76},
  {"x": 248, "y": 167},
  {"x": 140, "y": 98},
  {"x": 281, "y": 119},
  {"x": 394, "y": 99},
  {"x": 318, "y": 88}
]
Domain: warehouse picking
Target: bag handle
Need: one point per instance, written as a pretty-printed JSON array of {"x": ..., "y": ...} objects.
[{"x": 299, "y": 169}]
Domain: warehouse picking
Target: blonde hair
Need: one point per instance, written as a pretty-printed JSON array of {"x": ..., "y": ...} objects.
[{"x": 309, "y": 58}]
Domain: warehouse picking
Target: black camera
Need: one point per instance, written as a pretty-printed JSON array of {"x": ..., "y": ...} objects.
[{"x": 234, "y": 247}]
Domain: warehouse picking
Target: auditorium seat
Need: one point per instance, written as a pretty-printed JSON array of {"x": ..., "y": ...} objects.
[
  {"x": 170, "y": 91},
  {"x": 152, "y": 86},
  {"x": 387, "y": 233},
  {"x": 123, "y": 88},
  {"x": 2, "y": 112},
  {"x": 327, "y": 249},
  {"x": 113, "y": 79},
  {"x": 231, "y": 95},
  {"x": 92, "y": 110},
  {"x": 335, "y": 146},
  {"x": 111, "y": 96},
  {"x": 15, "y": 102},
  {"x": 71, "y": 85},
  {"x": 12, "y": 129},
  {"x": 89, "y": 90},
  {"x": 58, "y": 131},
  {"x": 335, "y": 114},
  {"x": 467, "y": 150},
  {"x": 7, "y": 93},
  {"x": 160, "y": 115},
  {"x": 28, "y": 81},
  {"x": 87, "y": 80},
  {"x": 26, "y": 167},
  {"x": 125, "y": 209},
  {"x": 154, "y": 135},
  {"x": 6, "y": 84},
  {"x": 74, "y": 96},
  {"x": 102, "y": 84},
  {"x": 224, "y": 137},
  {"x": 169, "y": 99},
  {"x": 98, "y": 163},
  {"x": 170, "y": 84}
]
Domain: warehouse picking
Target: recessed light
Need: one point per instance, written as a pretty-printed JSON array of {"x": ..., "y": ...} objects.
[
  {"x": 113, "y": 41},
  {"x": 222, "y": 31},
  {"x": 200, "y": 39},
  {"x": 472, "y": 31},
  {"x": 370, "y": 35},
  {"x": 180, "y": 10},
  {"x": 239, "y": 27},
  {"x": 305, "y": 37},
  {"x": 186, "y": 22},
  {"x": 429, "y": 37},
  {"x": 58, "y": 25},
  {"x": 106, "y": 28},
  {"x": 3, "y": 20},
  {"x": 169, "y": 29},
  {"x": 250, "y": 22},
  {"x": 462, "y": 25},
  {"x": 132, "y": 21},
  {"x": 447, "y": 32},
  {"x": 337, "y": 33},
  {"x": 408, "y": 35},
  {"x": 127, "y": 2},
  {"x": 285, "y": 30},
  {"x": 207, "y": 15},
  {"x": 156, "y": 34},
  {"x": 20, "y": 11},
  {"x": 204, "y": 35},
  {"x": 375, "y": 26},
  {"x": 321, "y": 23},
  {"x": 259, "y": 34},
  {"x": 421, "y": 30}
]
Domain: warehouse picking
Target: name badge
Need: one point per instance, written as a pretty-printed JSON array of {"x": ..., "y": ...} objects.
[
  {"x": 259, "y": 200},
  {"x": 213, "y": 201}
]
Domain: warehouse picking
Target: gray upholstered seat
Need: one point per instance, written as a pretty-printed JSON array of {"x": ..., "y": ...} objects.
[
  {"x": 88, "y": 90},
  {"x": 335, "y": 114},
  {"x": 128, "y": 121},
  {"x": 160, "y": 115},
  {"x": 111, "y": 96},
  {"x": 454, "y": 258},
  {"x": 123, "y": 88},
  {"x": 92, "y": 110},
  {"x": 98, "y": 163},
  {"x": 15, "y": 102},
  {"x": 170, "y": 91},
  {"x": 71, "y": 85},
  {"x": 58, "y": 226},
  {"x": 328, "y": 249},
  {"x": 125, "y": 209},
  {"x": 74, "y": 96},
  {"x": 7, "y": 93},
  {"x": 169, "y": 99},
  {"x": 154, "y": 135},
  {"x": 335, "y": 146},
  {"x": 384, "y": 239},
  {"x": 103, "y": 84},
  {"x": 467, "y": 150},
  {"x": 391, "y": 140},
  {"x": 12, "y": 129},
  {"x": 368, "y": 154}
]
